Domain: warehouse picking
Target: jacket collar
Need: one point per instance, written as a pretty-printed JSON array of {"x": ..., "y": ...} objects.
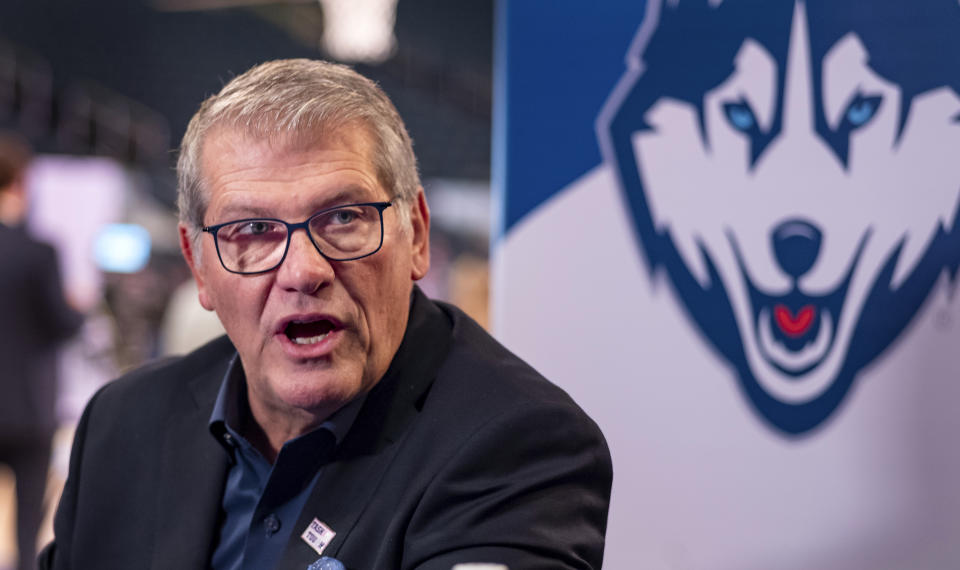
[
  {"x": 365, "y": 454},
  {"x": 193, "y": 468}
]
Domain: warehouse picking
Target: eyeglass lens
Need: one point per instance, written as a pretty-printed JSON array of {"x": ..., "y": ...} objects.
[{"x": 348, "y": 232}]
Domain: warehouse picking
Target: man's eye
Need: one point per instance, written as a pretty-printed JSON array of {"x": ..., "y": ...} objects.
[
  {"x": 255, "y": 228},
  {"x": 344, "y": 216}
]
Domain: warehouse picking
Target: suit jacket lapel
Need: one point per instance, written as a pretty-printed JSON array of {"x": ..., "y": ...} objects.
[
  {"x": 193, "y": 469},
  {"x": 359, "y": 464}
]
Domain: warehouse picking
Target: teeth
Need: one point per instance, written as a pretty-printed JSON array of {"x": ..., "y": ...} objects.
[{"x": 309, "y": 339}]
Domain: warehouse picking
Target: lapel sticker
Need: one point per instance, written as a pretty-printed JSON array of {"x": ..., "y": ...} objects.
[{"x": 318, "y": 535}]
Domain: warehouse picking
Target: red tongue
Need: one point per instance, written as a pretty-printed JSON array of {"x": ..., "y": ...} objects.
[{"x": 794, "y": 325}]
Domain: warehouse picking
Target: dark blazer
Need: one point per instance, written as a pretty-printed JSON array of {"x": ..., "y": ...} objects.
[
  {"x": 474, "y": 458},
  {"x": 34, "y": 318}
]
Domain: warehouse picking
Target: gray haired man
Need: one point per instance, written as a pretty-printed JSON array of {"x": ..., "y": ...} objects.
[{"x": 345, "y": 415}]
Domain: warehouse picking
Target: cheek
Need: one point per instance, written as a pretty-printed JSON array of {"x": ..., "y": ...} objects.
[
  {"x": 382, "y": 293},
  {"x": 237, "y": 302}
]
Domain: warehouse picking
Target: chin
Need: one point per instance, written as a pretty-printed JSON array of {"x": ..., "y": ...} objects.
[{"x": 318, "y": 390}]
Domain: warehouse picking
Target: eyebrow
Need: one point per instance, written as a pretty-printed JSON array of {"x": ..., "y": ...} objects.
[
  {"x": 350, "y": 194},
  {"x": 239, "y": 212}
]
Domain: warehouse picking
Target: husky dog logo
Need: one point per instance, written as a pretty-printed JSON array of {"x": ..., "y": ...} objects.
[{"x": 794, "y": 168}]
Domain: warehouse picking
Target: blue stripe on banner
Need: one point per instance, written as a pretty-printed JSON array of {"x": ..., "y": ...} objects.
[{"x": 547, "y": 95}]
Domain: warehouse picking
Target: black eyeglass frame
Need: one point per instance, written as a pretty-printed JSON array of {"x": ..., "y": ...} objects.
[{"x": 305, "y": 225}]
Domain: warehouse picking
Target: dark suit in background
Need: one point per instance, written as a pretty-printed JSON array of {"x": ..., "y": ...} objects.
[{"x": 34, "y": 318}]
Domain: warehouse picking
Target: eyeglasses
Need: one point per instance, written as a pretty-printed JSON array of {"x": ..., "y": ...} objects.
[{"x": 258, "y": 245}]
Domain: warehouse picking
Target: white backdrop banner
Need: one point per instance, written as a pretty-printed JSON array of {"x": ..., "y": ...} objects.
[{"x": 729, "y": 230}]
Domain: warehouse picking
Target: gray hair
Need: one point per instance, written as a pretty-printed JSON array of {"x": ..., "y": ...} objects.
[{"x": 299, "y": 98}]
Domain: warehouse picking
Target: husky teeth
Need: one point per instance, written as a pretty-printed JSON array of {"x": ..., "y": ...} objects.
[{"x": 309, "y": 339}]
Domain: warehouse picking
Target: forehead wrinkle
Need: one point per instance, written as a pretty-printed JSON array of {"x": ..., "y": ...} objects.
[
  {"x": 290, "y": 147},
  {"x": 297, "y": 166},
  {"x": 239, "y": 195},
  {"x": 287, "y": 168}
]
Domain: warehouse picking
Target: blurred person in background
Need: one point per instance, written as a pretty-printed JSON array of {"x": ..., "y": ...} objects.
[
  {"x": 345, "y": 414},
  {"x": 186, "y": 325},
  {"x": 35, "y": 318}
]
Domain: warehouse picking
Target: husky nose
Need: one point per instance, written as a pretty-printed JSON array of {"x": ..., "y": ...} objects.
[{"x": 796, "y": 244}]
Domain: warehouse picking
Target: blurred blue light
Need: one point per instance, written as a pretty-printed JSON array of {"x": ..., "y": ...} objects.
[{"x": 122, "y": 248}]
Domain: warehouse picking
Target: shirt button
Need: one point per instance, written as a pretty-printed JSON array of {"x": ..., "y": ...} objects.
[
  {"x": 228, "y": 439},
  {"x": 272, "y": 523}
]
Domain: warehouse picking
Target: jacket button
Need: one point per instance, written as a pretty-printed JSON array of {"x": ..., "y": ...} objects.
[{"x": 272, "y": 524}]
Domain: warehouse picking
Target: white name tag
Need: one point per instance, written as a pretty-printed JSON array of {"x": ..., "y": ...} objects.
[{"x": 318, "y": 535}]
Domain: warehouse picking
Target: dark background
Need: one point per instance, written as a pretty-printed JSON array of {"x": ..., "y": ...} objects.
[{"x": 122, "y": 77}]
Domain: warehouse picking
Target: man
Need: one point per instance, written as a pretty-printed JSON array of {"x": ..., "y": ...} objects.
[
  {"x": 345, "y": 415},
  {"x": 35, "y": 318}
]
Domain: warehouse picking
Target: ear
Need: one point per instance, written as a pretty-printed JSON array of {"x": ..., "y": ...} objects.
[
  {"x": 420, "y": 235},
  {"x": 193, "y": 262}
]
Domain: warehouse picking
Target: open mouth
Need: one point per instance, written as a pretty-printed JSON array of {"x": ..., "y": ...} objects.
[
  {"x": 795, "y": 331},
  {"x": 308, "y": 331},
  {"x": 796, "y": 341}
]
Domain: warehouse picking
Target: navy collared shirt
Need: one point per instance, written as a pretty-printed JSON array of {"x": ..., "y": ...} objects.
[{"x": 262, "y": 502}]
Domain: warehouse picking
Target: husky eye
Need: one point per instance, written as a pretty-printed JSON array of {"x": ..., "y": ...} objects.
[
  {"x": 861, "y": 110},
  {"x": 741, "y": 116}
]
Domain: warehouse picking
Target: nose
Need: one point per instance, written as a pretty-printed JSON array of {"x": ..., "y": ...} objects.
[
  {"x": 303, "y": 269},
  {"x": 796, "y": 245}
]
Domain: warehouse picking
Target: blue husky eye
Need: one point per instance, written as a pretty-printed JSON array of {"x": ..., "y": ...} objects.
[
  {"x": 861, "y": 110},
  {"x": 740, "y": 116}
]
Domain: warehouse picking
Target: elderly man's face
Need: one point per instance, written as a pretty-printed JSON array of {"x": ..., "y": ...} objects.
[{"x": 364, "y": 303}]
